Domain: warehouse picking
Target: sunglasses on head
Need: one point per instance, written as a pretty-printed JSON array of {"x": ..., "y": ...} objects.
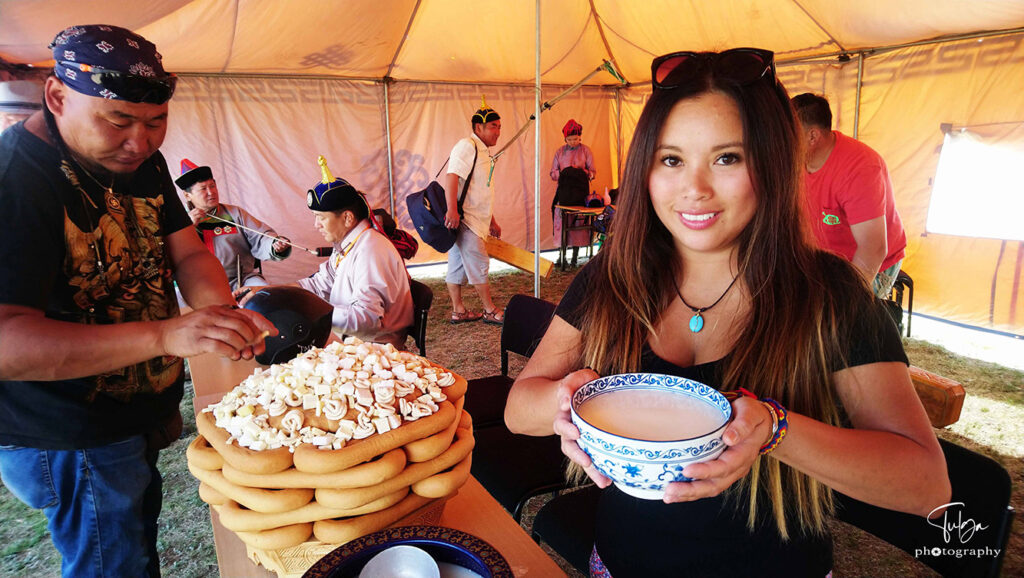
[
  {"x": 739, "y": 65},
  {"x": 131, "y": 87}
]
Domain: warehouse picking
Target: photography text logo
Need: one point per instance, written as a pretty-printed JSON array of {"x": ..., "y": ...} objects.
[{"x": 957, "y": 532}]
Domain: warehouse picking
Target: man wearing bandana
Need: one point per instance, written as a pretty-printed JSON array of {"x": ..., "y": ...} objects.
[
  {"x": 91, "y": 370},
  {"x": 468, "y": 260},
  {"x": 364, "y": 279}
]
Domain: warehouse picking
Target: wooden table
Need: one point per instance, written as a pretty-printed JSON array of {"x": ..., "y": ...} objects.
[
  {"x": 473, "y": 510},
  {"x": 569, "y": 212}
]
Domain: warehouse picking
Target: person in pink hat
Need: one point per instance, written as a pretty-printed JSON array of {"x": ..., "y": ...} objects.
[{"x": 573, "y": 169}]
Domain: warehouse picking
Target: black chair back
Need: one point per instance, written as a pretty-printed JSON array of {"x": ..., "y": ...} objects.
[
  {"x": 567, "y": 524},
  {"x": 526, "y": 320},
  {"x": 422, "y": 299},
  {"x": 978, "y": 522},
  {"x": 573, "y": 188},
  {"x": 513, "y": 468},
  {"x": 903, "y": 284}
]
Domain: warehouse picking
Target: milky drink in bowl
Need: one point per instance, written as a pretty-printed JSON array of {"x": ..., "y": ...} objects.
[{"x": 642, "y": 429}]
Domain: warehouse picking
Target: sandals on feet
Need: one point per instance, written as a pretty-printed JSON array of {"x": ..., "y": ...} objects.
[
  {"x": 495, "y": 317},
  {"x": 465, "y": 316}
]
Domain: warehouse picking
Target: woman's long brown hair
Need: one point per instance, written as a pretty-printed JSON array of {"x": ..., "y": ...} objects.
[{"x": 800, "y": 297}]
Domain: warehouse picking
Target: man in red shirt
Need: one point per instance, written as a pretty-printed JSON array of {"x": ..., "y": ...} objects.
[{"x": 848, "y": 197}]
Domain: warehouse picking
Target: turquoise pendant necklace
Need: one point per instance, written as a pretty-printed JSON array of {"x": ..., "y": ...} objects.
[{"x": 697, "y": 321}]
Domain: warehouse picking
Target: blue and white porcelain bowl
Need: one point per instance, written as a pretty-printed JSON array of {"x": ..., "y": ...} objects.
[{"x": 641, "y": 467}]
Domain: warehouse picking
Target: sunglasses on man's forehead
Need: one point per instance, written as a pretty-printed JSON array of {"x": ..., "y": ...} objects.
[
  {"x": 131, "y": 87},
  {"x": 739, "y": 65}
]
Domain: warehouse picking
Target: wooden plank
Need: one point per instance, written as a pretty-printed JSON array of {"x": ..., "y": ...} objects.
[
  {"x": 943, "y": 398},
  {"x": 518, "y": 258}
]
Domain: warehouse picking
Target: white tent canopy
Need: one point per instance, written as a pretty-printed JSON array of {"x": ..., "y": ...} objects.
[
  {"x": 270, "y": 84},
  {"x": 480, "y": 41}
]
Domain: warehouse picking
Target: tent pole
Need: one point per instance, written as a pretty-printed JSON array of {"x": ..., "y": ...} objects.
[
  {"x": 536, "y": 165},
  {"x": 618, "y": 135},
  {"x": 387, "y": 136},
  {"x": 860, "y": 84}
]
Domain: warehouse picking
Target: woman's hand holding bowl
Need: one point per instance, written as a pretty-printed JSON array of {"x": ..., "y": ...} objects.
[
  {"x": 570, "y": 433},
  {"x": 750, "y": 429}
]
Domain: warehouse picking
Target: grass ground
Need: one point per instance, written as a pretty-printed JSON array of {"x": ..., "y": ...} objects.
[{"x": 992, "y": 423}]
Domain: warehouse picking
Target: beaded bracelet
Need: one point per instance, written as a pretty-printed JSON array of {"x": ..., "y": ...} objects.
[
  {"x": 780, "y": 423},
  {"x": 779, "y": 418},
  {"x": 775, "y": 418}
]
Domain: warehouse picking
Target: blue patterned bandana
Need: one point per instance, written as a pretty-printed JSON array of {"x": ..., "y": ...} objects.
[{"x": 111, "y": 62}]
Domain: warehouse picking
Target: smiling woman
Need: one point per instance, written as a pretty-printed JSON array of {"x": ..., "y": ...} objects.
[
  {"x": 708, "y": 277},
  {"x": 700, "y": 185}
]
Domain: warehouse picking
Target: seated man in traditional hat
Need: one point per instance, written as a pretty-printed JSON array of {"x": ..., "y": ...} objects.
[
  {"x": 364, "y": 278},
  {"x": 236, "y": 248}
]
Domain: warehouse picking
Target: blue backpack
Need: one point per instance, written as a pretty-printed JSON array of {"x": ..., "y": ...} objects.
[
  {"x": 604, "y": 220},
  {"x": 427, "y": 209}
]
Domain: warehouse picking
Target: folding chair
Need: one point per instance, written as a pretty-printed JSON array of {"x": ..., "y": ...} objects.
[
  {"x": 981, "y": 488},
  {"x": 513, "y": 468},
  {"x": 422, "y": 299},
  {"x": 566, "y": 524},
  {"x": 526, "y": 320},
  {"x": 895, "y": 301}
]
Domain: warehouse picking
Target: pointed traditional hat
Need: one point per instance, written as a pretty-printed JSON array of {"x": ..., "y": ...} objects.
[
  {"x": 485, "y": 114},
  {"x": 330, "y": 194},
  {"x": 191, "y": 174}
]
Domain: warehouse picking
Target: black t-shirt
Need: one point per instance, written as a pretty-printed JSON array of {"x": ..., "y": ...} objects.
[
  {"x": 710, "y": 537},
  {"x": 85, "y": 255}
]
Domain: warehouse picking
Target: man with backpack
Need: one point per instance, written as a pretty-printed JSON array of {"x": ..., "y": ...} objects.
[{"x": 468, "y": 260}]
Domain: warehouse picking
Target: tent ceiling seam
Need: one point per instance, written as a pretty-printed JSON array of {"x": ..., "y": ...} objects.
[
  {"x": 604, "y": 39},
  {"x": 405, "y": 37},
  {"x": 234, "y": 34},
  {"x": 944, "y": 39},
  {"x": 786, "y": 62},
  {"x": 374, "y": 79},
  {"x": 579, "y": 37},
  {"x": 819, "y": 25},
  {"x": 873, "y": 51},
  {"x": 955, "y": 126},
  {"x": 625, "y": 40}
]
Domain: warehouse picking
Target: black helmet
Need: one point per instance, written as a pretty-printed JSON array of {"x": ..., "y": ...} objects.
[{"x": 303, "y": 320}]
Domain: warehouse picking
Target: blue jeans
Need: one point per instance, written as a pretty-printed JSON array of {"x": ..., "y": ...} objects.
[{"x": 102, "y": 504}]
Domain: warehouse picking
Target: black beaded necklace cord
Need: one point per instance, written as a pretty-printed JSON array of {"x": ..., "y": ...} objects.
[
  {"x": 697, "y": 321},
  {"x": 107, "y": 189}
]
